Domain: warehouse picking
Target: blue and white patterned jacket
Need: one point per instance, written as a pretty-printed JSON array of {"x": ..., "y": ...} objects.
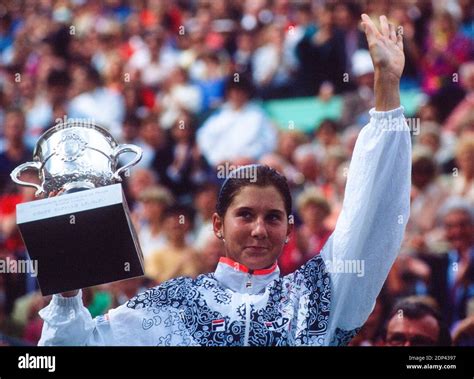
[{"x": 323, "y": 303}]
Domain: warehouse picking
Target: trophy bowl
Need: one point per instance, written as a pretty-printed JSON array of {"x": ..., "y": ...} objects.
[{"x": 74, "y": 156}]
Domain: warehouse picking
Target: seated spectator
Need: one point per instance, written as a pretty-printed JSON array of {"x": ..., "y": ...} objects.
[
  {"x": 178, "y": 95},
  {"x": 181, "y": 166},
  {"x": 358, "y": 102},
  {"x": 322, "y": 55},
  {"x": 307, "y": 240},
  {"x": 326, "y": 135},
  {"x": 463, "y": 177},
  {"x": 446, "y": 50},
  {"x": 414, "y": 323},
  {"x": 273, "y": 64},
  {"x": 139, "y": 180},
  {"x": 177, "y": 257},
  {"x": 239, "y": 128},
  {"x": 16, "y": 152},
  {"x": 205, "y": 199},
  {"x": 98, "y": 103},
  {"x": 154, "y": 200},
  {"x": 452, "y": 278},
  {"x": 211, "y": 251},
  {"x": 466, "y": 107},
  {"x": 313, "y": 209},
  {"x": 428, "y": 194}
]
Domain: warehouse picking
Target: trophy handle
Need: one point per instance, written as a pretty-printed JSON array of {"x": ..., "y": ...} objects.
[
  {"x": 126, "y": 148},
  {"x": 23, "y": 167}
]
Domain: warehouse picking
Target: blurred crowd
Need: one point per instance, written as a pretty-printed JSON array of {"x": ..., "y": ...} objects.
[{"x": 186, "y": 81}]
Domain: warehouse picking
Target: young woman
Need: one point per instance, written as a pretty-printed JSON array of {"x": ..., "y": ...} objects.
[{"x": 245, "y": 301}]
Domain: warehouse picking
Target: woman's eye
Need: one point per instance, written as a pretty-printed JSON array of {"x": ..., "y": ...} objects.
[
  {"x": 274, "y": 217},
  {"x": 245, "y": 215}
]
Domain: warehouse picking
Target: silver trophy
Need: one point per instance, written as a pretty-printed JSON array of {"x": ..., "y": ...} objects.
[
  {"x": 74, "y": 156},
  {"x": 85, "y": 238}
]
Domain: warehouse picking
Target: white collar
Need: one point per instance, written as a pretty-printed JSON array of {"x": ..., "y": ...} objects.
[{"x": 241, "y": 279}]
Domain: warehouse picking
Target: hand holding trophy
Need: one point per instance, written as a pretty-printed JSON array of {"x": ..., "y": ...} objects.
[{"x": 83, "y": 236}]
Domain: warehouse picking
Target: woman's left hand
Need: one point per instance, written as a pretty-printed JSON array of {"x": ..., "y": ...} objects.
[{"x": 385, "y": 46}]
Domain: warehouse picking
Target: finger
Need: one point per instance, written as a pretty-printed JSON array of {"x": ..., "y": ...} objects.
[
  {"x": 393, "y": 35},
  {"x": 400, "y": 37},
  {"x": 384, "y": 26},
  {"x": 369, "y": 28}
]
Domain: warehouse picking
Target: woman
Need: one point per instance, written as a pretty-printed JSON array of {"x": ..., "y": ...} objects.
[{"x": 245, "y": 301}]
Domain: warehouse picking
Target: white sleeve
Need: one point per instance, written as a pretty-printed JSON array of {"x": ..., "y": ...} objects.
[
  {"x": 68, "y": 323},
  {"x": 370, "y": 228}
]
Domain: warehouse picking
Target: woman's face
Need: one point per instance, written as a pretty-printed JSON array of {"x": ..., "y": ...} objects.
[{"x": 255, "y": 227}]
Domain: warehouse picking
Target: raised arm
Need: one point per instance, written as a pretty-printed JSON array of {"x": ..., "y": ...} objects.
[{"x": 370, "y": 228}]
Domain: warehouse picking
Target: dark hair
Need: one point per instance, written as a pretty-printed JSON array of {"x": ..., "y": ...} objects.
[
  {"x": 424, "y": 165},
  {"x": 244, "y": 84},
  {"x": 415, "y": 310},
  {"x": 264, "y": 176},
  {"x": 177, "y": 210},
  {"x": 58, "y": 78}
]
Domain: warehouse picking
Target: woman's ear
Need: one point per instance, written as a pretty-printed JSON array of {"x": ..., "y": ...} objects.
[{"x": 218, "y": 226}]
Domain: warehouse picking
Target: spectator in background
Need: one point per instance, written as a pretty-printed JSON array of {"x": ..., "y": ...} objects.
[
  {"x": 440, "y": 145},
  {"x": 427, "y": 196},
  {"x": 40, "y": 115},
  {"x": 446, "y": 50},
  {"x": 239, "y": 129},
  {"x": 210, "y": 77},
  {"x": 313, "y": 209},
  {"x": 357, "y": 102},
  {"x": 137, "y": 182},
  {"x": 16, "y": 152},
  {"x": 273, "y": 64},
  {"x": 177, "y": 257},
  {"x": 307, "y": 161},
  {"x": 181, "y": 166},
  {"x": 154, "y": 142},
  {"x": 311, "y": 235},
  {"x": 346, "y": 18},
  {"x": 98, "y": 103},
  {"x": 242, "y": 57},
  {"x": 288, "y": 141},
  {"x": 326, "y": 135},
  {"x": 177, "y": 96},
  {"x": 452, "y": 277},
  {"x": 205, "y": 198},
  {"x": 148, "y": 219},
  {"x": 322, "y": 55},
  {"x": 210, "y": 253},
  {"x": 414, "y": 323},
  {"x": 463, "y": 178}
]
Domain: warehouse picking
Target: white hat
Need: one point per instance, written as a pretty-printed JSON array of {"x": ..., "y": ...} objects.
[{"x": 362, "y": 63}]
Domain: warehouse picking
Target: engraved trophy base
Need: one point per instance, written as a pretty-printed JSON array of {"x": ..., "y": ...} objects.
[{"x": 81, "y": 239}]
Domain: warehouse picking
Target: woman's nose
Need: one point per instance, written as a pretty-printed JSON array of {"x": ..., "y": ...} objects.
[{"x": 259, "y": 229}]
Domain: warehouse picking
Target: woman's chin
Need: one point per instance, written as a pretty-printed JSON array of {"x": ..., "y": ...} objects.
[{"x": 257, "y": 262}]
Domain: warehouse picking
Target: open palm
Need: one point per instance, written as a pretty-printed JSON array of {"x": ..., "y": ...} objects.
[{"x": 385, "y": 46}]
